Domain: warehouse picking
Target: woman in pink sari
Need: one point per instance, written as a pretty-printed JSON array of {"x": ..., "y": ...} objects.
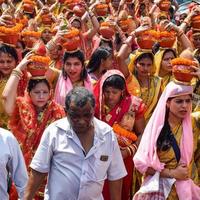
[
  {"x": 73, "y": 74},
  {"x": 167, "y": 148}
]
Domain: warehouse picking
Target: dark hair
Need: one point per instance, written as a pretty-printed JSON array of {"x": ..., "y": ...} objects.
[
  {"x": 103, "y": 41},
  {"x": 143, "y": 56},
  {"x": 77, "y": 54},
  {"x": 163, "y": 141},
  {"x": 100, "y": 18},
  {"x": 118, "y": 40},
  {"x": 169, "y": 50},
  {"x": 9, "y": 50},
  {"x": 33, "y": 82},
  {"x": 115, "y": 81},
  {"x": 155, "y": 48},
  {"x": 79, "y": 96},
  {"x": 95, "y": 60}
]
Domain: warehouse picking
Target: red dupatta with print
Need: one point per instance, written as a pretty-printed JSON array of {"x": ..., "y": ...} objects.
[
  {"x": 28, "y": 127},
  {"x": 115, "y": 116},
  {"x": 117, "y": 113}
]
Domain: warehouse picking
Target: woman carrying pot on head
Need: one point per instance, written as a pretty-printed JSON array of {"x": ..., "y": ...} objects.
[
  {"x": 167, "y": 148},
  {"x": 125, "y": 113},
  {"x": 32, "y": 113},
  {"x": 142, "y": 67},
  {"x": 99, "y": 63},
  {"x": 8, "y": 61},
  {"x": 163, "y": 65},
  {"x": 73, "y": 74}
]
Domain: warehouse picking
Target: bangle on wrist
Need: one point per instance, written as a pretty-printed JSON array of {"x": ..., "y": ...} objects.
[
  {"x": 180, "y": 33},
  {"x": 51, "y": 45},
  {"x": 129, "y": 151},
  {"x": 17, "y": 73},
  {"x": 91, "y": 14}
]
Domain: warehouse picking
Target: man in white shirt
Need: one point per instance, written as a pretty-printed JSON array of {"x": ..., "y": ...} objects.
[
  {"x": 78, "y": 153},
  {"x": 11, "y": 162}
]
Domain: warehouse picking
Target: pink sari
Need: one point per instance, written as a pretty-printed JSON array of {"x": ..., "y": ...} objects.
[
  {"x": 146, "y": 155},
  {"x": 63, "y": 86}
]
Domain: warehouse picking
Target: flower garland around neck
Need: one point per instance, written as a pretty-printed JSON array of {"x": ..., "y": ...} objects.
[{"x": 119, "y": 130}]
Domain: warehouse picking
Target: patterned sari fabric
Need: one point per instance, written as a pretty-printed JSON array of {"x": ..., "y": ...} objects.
[
  {"x": 149, "y": 94},
  {"x": 20, "y": 92},
  {"x": 158, "y": 60},
  {"x": 148, "y": 156},
  {"x": 63, "y": 86},
  {"x": 28, "y": 126},
  {"x": 116, "y": 116}
]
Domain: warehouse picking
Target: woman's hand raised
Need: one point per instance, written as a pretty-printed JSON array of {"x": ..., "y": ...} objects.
[{"x": 24, "y": 62}]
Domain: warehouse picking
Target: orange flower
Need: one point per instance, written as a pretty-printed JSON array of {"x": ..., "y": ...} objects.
[
  {"x": 119, "y": 130},
  {"x": 12, "y": 30},
  {"x": 72, "y": 33},
  {"x": 166, "y": 34},
  {"x": 41, "y": 59},
  {"x": 31, "y": 34},
  {"x": 101, "y": 6},
  {"x": 183, "y": 61},
  {"x": 29, "y": 2}
]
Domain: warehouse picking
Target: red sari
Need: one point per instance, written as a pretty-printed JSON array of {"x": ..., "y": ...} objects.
[
  {"x": 116, "y": 115},
  {"x": 28, "y": 127}
]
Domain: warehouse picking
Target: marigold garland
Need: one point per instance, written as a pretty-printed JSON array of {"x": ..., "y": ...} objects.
[
  {"x": 29, "y": 2},
  {"x": 41, "y": 59},
  {"x": 166, "y": 34},
  {"x": 119, "y": 130},
  {"x": 151, "y": 33},
  {"x": 108, "y": 24},
  {"x": 31, "y": 34},
  {"x": 72, "y": 33},
  {"x": 12, "y": 30},
  {"x": 101, "y": 6},
  {"x": 183, "y": 61}
]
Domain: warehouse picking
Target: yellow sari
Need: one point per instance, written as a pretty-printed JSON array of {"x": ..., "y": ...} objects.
[
  {"x": 158, "y": 59},
  {"x": 168, "y": 157},
  {"x": 149, "y": 94},
  {"x": 196, "y": 127},
  {"x": 3, "y": 116}
]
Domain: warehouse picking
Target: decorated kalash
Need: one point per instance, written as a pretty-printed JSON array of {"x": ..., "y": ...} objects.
[
  {"x": 183, "y": 70},
  {"x": 9, "y": 36},
  {"x": 39, "y": 62},
  {"x": 34, "y": 111},
  {"x": 149, "y": 84}
]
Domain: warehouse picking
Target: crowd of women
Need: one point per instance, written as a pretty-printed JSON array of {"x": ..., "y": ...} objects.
[{"x": 156, "y": 118}]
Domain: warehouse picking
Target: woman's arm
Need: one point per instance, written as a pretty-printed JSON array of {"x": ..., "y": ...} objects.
[
  {"x": 122, "y": 56},
  {"x": 95, "y": 26},
  {"x": 184, "y": 40},
  {"x": 10, "y": 91}
]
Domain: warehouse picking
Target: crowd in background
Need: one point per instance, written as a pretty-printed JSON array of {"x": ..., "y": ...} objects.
[{"x": 140, "y": 59}]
